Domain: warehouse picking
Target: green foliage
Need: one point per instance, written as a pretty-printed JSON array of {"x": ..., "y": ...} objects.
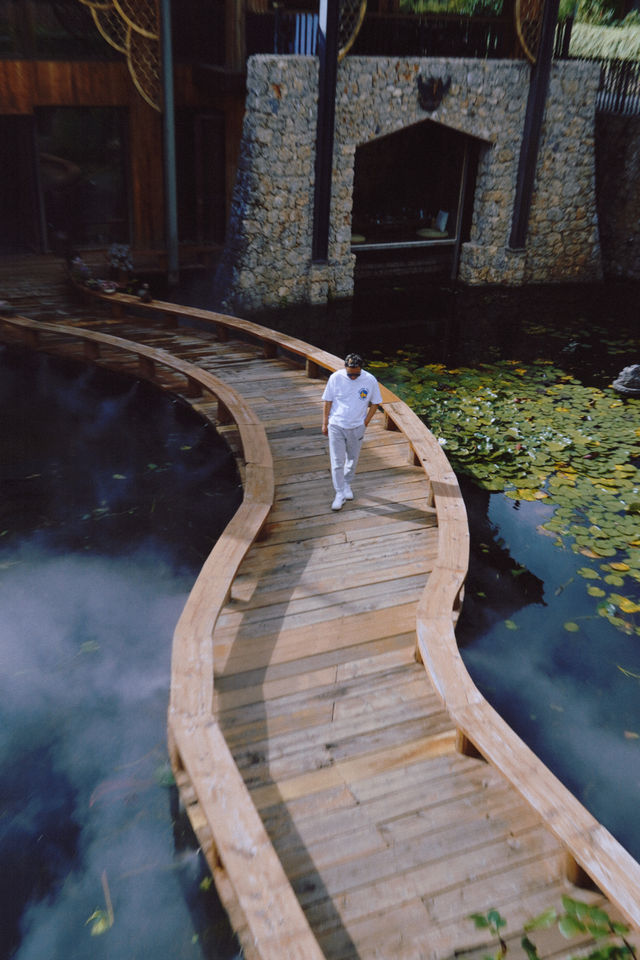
[
  {"x": 602, "y": 40},
  {"x": 494, "y": 922},
  {"x": 463, "y": 8},
  {"x": 537, "y": 434},
  {"x": 579, "y": 919}
]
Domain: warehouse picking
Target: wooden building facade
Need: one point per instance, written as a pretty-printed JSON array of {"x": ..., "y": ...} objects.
[{"x": 81, "y": 147}]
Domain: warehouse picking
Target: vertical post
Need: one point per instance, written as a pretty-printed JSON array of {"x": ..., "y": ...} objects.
[
  {"x": 328, "y": 53},
  {"x": 169, "y": 142},
  {"x": 538, "y": 88}
]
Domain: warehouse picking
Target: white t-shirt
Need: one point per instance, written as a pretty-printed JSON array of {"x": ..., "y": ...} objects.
[{"x": 350, "y": 399}]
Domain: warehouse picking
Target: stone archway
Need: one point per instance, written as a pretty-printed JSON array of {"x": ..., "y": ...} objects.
[
  {"x": 413, "y": 199},
  {"x": 267, "y": 258}
]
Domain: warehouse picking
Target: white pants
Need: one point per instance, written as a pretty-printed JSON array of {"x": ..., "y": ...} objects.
[{"x": 344, "y": 450}]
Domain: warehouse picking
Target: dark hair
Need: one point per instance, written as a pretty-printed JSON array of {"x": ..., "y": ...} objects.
[{"x": 353, "y": 360}]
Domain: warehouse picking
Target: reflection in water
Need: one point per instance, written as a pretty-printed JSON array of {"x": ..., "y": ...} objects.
[
  {"x": 111, "y": 496},
  {"x": 563, "y": 692}
]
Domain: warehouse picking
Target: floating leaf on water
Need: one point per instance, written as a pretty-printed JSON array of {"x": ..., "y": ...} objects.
[
  {"x": 596, "y": 592},
  {"x": 571, "y": 627},
  {"x": 119, "y": 476},
  {"x": 624, "y": 604},
  {"x": 90, "y": 646},
  {"x": 619, "y": 566},
  {"x": 589, "y": 573},
  {"x": 100, "y": 921},
  {"x": 511, "y": 625},
  {"x": 631, "y": 735},
  {"x": 614, "y": 581}
]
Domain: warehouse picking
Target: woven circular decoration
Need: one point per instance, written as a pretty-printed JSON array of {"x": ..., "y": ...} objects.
[
  {"x": 528, "y": 15},
  {"x": 351, "y": 16},
  {"x": 143, "y": 57},
  {"x": 140, "y": 15},
  {"x": 112, "y": 27}
]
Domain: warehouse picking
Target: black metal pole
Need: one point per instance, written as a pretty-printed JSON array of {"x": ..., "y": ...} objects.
[
  {"x": 169, "y": 141},
  {"x": 538, "y": 89},
  {"x": 328, "y": 53}
]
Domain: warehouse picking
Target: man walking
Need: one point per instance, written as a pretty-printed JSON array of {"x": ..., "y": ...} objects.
[{"x": 350, "y": 400}]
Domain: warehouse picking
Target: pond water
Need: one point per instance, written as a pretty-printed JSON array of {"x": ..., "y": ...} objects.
[
  {"x": 532, "y": 635},
  {"x": 112, "y": 496}
]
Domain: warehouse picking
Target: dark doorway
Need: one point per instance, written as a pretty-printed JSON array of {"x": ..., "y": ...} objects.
[
  {"x": 414, "y": 189},
  {"x": 200, "y": 144},
  {"x": 19, "y": 205},
  {"x": 82, "y": 157}
]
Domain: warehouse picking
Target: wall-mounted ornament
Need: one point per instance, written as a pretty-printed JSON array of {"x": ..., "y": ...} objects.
[{"x": 431, "y": 90}]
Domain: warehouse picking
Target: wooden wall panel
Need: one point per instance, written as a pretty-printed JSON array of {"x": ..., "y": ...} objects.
[
  {"x": 16, "y": 86},
  {"x": 27, "y": 85},
  {"x": 145, "y": 132}
]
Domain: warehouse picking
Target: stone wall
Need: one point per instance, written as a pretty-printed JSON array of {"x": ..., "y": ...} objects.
[
  {"x": 618, "y": 176},
  {"x": 267, "y": 257}
]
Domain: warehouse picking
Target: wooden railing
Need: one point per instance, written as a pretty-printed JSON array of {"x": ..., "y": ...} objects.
[
  {"x": 591, "y": 849},
  {"x": 252, "y": 884}
]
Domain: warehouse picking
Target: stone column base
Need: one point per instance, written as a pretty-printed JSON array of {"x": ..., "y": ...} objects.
[
  {"x": 318, "y": 283},
  {"x": 491, "y": 264}
]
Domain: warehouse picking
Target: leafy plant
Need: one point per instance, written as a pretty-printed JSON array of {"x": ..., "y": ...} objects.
[
  {"x": 577, "y": 919},
  {"x": 602, "y": 41},
  {"x": 494, "y": 922}
]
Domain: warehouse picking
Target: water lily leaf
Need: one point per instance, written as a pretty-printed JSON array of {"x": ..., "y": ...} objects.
[
  {"x": 100, "y": 921},
  {"x": 571, "y": 627},
  {"x": 619, "y": 566},
  {"x": 511, "y": 625},
  {"x": 603, "y": 550},
  {"x": 119, "y": 476},
  {"x": 589, "y": 573},
  {"x": 626, "y": 605},
  {"x": 596, "y": 592},
  {"x": 531, "y": 495},
  {"x": 631, "y": 735}
]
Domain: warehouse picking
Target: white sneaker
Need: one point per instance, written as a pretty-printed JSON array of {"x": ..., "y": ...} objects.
[
  {"x": 337, "y": 502},
  {"x": 348, "y": 492}
]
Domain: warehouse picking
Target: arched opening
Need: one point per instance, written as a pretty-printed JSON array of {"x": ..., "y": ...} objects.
[{"x": 413, "y": 200}]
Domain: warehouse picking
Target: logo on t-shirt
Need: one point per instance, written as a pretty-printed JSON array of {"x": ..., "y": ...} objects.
[{"x": 364, "y": 393}]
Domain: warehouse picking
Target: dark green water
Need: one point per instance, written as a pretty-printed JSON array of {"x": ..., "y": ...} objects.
[{"x": 111, "y": 496}]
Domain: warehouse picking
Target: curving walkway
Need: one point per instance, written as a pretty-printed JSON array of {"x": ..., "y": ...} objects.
[{"x": 315, "y": 757}]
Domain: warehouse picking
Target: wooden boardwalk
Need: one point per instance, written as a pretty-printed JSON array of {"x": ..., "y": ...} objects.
[{"x": 315, "y": 757}]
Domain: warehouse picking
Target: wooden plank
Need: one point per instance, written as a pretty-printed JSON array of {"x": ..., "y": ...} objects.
[
  {"x": 349, "y": 770},
  {"x": 388, "y": 834},
  {"x": 275, "y": 925}
]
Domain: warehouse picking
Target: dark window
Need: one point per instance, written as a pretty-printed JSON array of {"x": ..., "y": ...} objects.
[
  {"x": 407, "y": 186},
  {"x": 200, "y": 145},
  {"x": 81, "y": 153}
]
